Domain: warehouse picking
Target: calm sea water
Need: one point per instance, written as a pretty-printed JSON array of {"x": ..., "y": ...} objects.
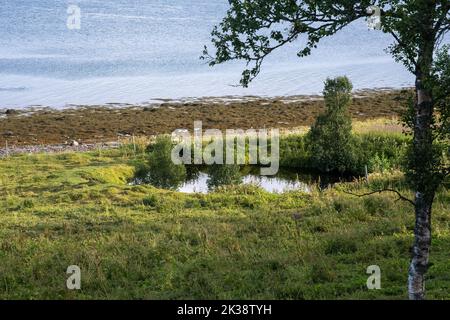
[{"x": 130, "y": 51}]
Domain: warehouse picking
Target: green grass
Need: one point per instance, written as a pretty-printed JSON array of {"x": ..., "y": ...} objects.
[
  {"x": 139, "y": 242},
  {"x": 379, "y": 151}
]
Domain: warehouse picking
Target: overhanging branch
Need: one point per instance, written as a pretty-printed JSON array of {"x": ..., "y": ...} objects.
[{"x": 400, "y": 196}]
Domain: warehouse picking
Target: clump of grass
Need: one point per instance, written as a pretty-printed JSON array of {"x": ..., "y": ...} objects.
[
  {"x": 27, "y": 204},
  {"x": 150, "y": 201},
  {"x": 114, "y": 174}
]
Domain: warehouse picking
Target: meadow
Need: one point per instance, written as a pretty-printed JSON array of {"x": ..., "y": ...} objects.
[{"x": 140, "y": 242}]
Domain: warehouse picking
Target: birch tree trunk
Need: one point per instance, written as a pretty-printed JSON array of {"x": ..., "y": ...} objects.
[
  {"x": 424, "y": 190},
  {"x": 421, "y": 248}
]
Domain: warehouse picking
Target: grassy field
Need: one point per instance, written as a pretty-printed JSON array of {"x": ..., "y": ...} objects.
[{"x": 139, "y": 242}]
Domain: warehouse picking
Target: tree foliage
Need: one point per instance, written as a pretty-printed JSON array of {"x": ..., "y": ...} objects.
[
  {"x": 431, "y": 173},
  {"x": 162, "y": 172},
  {"x": 252, "y": 29},
  {"x": 330, "y": 138}
]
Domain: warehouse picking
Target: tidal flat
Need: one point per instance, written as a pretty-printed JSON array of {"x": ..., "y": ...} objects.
[{"x": 109, "y": 123}]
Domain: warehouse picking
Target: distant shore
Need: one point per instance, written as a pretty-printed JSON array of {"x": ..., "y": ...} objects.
[{"x": 96, "y": 125}]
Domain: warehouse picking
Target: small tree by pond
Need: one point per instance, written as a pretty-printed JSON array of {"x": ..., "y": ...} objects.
[
  {"x": 162, "y": 172},
  {"x": 223, "y": 174},
  {"x": 330, "y": 139}
]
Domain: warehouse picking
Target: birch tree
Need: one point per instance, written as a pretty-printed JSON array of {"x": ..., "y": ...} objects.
[{"x": 253, "y": 29}]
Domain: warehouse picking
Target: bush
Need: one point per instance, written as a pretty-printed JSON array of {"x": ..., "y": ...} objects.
[
  {"x": 378, "y": 151},
  {"x": 294, "y": 152},
  {"x": 379, "y": 163},
  {"x": 330, "y": 140},
  {"x": 162, "y": 172},
  {"x": 381, "y": 152}
]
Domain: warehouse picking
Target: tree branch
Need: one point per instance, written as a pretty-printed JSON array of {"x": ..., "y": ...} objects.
[{"x": 400, "y": 196}]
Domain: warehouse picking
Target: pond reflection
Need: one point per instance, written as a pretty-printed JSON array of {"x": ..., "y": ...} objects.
[
  {"x": 205, "y": 179},
  {"x": 285, "y": 180}
]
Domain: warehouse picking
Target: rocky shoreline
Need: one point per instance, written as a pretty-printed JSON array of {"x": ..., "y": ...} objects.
[{"x": 52, "y": 130}]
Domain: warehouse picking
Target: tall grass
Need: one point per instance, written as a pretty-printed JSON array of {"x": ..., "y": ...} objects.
[
  {"x": 378, "y": 151},
  {"x": 240, "y": 242}
]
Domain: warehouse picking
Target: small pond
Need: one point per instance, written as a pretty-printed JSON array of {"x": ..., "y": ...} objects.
[{"x": 285, "y": 180}]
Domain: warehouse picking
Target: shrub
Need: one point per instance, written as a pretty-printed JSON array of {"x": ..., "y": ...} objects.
[
  {"x": 379, "y": 163},
  {"x": 162, "y": 172},
  {"x": 378, "y": 151},
  {"x": 381, "y": 152},
  {"x": 141, "y": 172},
  {"x": 330, "y": 140},
  {"x": 294, "y": 152}
]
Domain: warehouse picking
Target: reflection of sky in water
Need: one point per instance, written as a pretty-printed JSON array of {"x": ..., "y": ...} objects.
[
  {"x": 270, "y": 184},
  {"x": 130, "y": 51}
]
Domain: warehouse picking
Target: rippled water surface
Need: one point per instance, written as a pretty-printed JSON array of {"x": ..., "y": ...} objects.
[{"x": 137, "y": 51}]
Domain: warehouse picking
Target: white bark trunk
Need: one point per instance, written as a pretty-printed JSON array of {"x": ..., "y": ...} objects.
[
  {"x": 421, "y": 249},
  {"x": 424, "y": 193}
]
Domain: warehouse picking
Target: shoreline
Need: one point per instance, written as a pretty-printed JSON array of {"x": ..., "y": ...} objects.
[
  {"x": 204, "y": 100},
  {"x": 46, "y": 128}
]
